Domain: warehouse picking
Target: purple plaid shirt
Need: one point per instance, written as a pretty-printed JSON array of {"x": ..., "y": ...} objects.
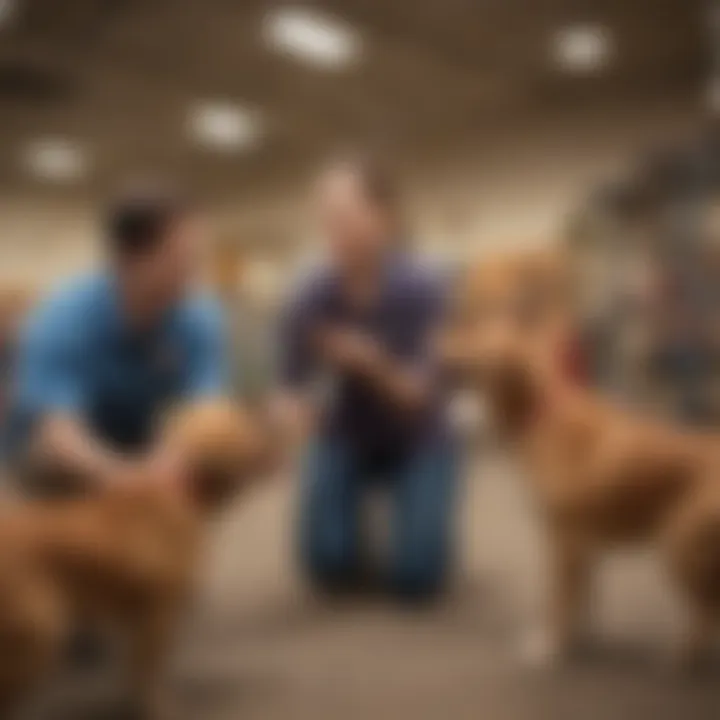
[{"x": 402, "y": 321}]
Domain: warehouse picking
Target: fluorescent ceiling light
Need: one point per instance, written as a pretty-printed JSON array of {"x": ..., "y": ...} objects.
[
  {"x": 312, "y": 37},
  {"x": 56, "y": 159},
  {"x": 224, "y": 126},
  {"x": 582, "y": 49}
]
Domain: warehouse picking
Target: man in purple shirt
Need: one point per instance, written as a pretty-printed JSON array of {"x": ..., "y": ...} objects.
[{"x": 361, "y": 328}]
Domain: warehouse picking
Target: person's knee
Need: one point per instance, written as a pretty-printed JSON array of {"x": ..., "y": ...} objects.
[
  {"x": 328, "y": 532},
  {"x": 420, "y": 578},
  {"x": 329, "y": 565}
]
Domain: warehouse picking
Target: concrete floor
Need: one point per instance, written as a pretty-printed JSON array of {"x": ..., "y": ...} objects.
[{"x": 257, "y": 646}]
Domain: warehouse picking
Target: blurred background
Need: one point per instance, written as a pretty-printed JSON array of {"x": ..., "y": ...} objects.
[
  {"x": 514, "y": 123},
  {"x": 501, "y": 115}
]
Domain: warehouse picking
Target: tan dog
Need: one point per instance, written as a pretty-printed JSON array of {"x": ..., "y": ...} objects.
[
  {"x": 602, "y": 475},
  {"x": 125, "y": 557}
]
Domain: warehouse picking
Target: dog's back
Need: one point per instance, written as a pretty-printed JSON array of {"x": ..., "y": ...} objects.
[
  {"x": 117, "y": 547},
  {"x": 106, "y": 559},
  {"x": 620, "y": 475}
]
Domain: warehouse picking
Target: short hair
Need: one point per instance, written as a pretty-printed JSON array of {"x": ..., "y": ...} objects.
[{"x": 138, "y": 220}]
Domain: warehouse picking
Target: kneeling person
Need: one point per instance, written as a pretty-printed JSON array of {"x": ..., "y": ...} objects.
[
  {"x": 101, "y": 359},
  {"x": 363, "y": 323}
]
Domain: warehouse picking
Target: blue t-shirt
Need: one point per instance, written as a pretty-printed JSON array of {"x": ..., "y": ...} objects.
[
  {"x": 402, "y": 321},
  {"x": 77, "y": 355}
]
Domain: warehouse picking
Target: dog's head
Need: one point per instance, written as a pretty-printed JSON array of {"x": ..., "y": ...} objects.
[
  {"x": 503, "y": 325},
  {"x": 225, "y": 448},
  {"x": 504, "y": 307}
]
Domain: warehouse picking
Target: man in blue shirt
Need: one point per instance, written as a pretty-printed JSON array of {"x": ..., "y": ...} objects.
[{"x": 104, "y": 357}]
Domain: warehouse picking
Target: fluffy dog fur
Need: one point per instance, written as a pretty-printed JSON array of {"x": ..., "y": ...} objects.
[
  {"x": 124, "y": 557},
  {"x": 602, "y": 475}
]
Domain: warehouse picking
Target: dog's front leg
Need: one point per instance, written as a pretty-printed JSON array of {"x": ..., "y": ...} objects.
[
  {"x": 151, "y": 639},
  {"x": 569, "y": 585},
  {"x": 695, "y": 651},
  {"x": 572, "y": 589}
]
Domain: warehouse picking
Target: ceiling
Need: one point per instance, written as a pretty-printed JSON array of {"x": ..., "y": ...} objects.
[{"x": 119, "y": 76}]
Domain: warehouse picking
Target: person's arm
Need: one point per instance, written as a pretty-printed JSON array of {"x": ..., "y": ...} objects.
[
  {"x": 51, "y": 393},
  {"x": 408, "y": 385},
  {"x": 64, "y": 444},
  {"x": 405, "y": 382},
  {"x": 409, "y": 375}
]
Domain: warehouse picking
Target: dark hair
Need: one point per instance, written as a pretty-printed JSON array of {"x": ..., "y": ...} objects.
[{"x": 137, "y": 221}]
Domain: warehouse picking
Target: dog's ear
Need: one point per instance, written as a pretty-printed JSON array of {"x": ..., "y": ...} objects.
[{"x": 223, "y": 444}]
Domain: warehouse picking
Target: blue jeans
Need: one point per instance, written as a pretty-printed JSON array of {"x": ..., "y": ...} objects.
[{"x": 422, "y": 487}]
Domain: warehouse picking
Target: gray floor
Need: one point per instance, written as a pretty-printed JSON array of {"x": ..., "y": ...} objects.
[{"x": 258, "y": 647}]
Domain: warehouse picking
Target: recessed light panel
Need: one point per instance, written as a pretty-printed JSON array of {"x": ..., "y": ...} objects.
[
  {"x": 224, "y": 126},
  {"x": 582, "y": 49},
  {"x": 56, "y": 160},
  {"x": 312, "y": 38}
]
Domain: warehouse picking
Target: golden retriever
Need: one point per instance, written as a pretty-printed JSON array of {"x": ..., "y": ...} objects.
[
  {"x": 125, "y": 556},
  {"x": 603, "y": 476}
]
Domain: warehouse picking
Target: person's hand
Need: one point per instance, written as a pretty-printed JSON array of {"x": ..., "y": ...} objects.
[
  {"x": 166, "y": 468},
  {"x": 122, "y": 473},
  {"x": 350, "y": 349},
  {"x": 163, "y": 468}
]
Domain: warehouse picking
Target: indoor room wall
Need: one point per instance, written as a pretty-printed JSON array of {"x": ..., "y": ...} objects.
[{"x": 507, "y": 187}]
